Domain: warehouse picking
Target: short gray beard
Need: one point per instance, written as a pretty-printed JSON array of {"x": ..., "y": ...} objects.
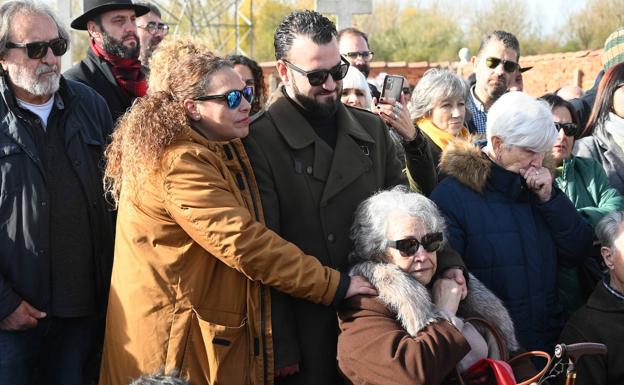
[{"x": 33, "y": 85}]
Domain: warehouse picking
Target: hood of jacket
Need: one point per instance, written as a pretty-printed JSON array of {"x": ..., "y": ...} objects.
[
  {"x": 466, "y": 162},
  {"x": 411, "y": 301}
]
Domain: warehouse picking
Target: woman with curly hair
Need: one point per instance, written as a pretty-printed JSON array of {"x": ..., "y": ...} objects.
[
  {"x": 192, "y": 255},
  {"x": 252, "y": 75}
]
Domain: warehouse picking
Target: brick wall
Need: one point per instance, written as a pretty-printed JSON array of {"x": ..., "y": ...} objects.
[{"x": 549, "y": 72}]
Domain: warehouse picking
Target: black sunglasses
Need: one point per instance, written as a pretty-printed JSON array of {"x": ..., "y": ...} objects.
[
  {"x": 570, "y": 129},
  {"x": 233, "y": 98},
  {"x": 430, "y": 242},
  {"x": 318, "y": 77},
  {"x": 406, "y": 90},
  {"x": 508, "y": 65},
  {"x": 366, "y": 55},
  {"x": 38, "y": 49}
]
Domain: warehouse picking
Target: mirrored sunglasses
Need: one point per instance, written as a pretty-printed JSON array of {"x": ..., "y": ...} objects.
[
  {"x": 233, "y": 98},
  {"x": 38, "y": 49},
  {"x": 569, "y": 129},
  {"x": 366, "y": 55},
  {"x": 508, "y": 65},
  {"x": 318, "y": 77},
  {"x": 430, "y": 242}
]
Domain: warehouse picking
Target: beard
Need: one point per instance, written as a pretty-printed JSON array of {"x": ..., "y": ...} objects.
[
  {"x": 148, "y": 50},
  {"x": 364, "y": 68},
  {"x": 498, "y": 90},
  {"x": 116, "y": 47},
  {"x": 314, "y": 107},
  {"x": 32, "y": 84}
]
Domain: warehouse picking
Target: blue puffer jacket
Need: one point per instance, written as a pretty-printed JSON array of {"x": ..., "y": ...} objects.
[{"x": 511, "y": 241}]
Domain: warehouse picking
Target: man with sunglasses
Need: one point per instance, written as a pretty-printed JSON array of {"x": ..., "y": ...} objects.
[
  {"x": 495, "y": 67},
  {"x": 353, "y": 46},
  {"x": 151, "y": 31},
  {"x": 315, "y": 160},
  {"x": 55, "y": 229},
  {"x": 112, "y": 65}
]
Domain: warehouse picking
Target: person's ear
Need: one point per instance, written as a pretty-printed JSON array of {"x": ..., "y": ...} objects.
[
  {"x": 94, "y": 31},
  {"x": 190, "y": 107},
  {"x": 474, "y": 60},
  {"x": 607, "y": 256},
  {"x": 282, "y": 71}
]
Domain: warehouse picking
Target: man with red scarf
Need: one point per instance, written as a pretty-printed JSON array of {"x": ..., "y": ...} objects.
[{"x": 112, "y": 65}]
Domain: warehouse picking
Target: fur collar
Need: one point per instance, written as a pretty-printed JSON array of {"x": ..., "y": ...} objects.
[
  {"x": 411, "y": 301},
  {"x": 465, "y": 161}
]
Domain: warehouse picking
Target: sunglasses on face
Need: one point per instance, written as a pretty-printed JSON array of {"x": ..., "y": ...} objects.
[
  {"x": 38, "y": 49},
  {"x": 569, "y": 129},
  {"x": 430, "y": 242},
  {"x": 366, "y": 55},
  {"x": 508, "y": 65},
  {"x": 406, "y": 90},
  {"x": 233, "y": 98},
  {"x": 153, "y": 26},
  {"x": 318, "y": 77}
]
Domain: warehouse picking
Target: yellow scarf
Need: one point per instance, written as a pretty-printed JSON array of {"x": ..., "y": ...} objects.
[{"x": 439, "y": 137}]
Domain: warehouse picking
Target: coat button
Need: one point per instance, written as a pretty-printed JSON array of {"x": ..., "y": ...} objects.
[
  {"x": 77, "y": 162},
  {"x": 331, "y": 238},
  {"x": 44, "y": 203},
  {"x": 309, "y": 170}
]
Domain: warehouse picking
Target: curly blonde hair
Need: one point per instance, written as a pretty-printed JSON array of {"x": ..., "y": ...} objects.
[{"x": 180, "y": 69}]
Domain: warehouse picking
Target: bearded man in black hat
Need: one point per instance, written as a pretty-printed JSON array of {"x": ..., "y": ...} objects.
[{"x": 112, "y": 65}]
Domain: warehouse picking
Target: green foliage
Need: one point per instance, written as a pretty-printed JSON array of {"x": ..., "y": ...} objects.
[{"x": 589, "y": 27}]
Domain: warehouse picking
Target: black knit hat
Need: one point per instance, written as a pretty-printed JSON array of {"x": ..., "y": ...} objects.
[{"x": 95, "y": 7}]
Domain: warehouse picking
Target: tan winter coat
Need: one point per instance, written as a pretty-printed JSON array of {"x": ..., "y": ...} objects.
[{"x": 192, "y": 257}]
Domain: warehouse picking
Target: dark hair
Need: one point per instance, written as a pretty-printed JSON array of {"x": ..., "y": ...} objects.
[
  {"x": 152, "y": 7},
  {"x": 508, "y": 39},
  {"x": 352, "y": 31},
  {"x": 604, "y": 97},
  {"x": 556, "y": 101},
  {"x": 258, "y": 75},
  {"x": 309, "y": 23}
]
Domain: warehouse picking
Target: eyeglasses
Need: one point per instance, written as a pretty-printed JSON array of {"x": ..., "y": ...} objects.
[
  {"x": 570, "y": 129},
  {"x": 366, "y": 55},
  {"x": 152, "y": 26},
  {"x": 508, "y": 65},
  {"x": 430, "y": 242},
  {"x": 318, "y": 77},
  {"x": 38, "y": 49},
  {"x": 233, "y": 98},
  {"x": 406, "y": 90}
]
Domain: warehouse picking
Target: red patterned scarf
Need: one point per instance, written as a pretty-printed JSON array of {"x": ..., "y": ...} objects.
[{"x": 127, "y": 72}]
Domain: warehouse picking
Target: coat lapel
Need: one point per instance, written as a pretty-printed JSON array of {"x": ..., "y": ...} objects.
[
  {"x": 354, "y": 147},
  {"x": 299, "y": 134}
]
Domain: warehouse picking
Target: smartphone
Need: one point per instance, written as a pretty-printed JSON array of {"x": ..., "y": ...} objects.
[{"x": 392, "y": 86}]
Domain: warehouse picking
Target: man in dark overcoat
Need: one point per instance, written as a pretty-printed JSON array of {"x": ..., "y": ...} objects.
[{"x": 315, "y": 160}]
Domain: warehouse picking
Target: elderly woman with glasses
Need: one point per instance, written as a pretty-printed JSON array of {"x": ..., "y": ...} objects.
[
  {"x": 506, "y": 218},
  {"x": 413, "y": 332},
  {"x": 193, "y": 258},
  {"x": 601, "y": 319},
  {"x": 438, "y": 108}
]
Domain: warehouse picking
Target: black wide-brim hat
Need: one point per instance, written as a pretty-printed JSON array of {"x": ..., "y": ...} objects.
[{"x": 92, "y": 8}]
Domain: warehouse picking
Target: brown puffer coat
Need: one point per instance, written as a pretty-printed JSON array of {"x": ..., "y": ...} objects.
[{"x": 192, "y": 256}]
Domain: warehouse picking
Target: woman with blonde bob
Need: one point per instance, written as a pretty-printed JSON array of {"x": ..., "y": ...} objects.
[
  {"x": 192, "y": 255},
  {"x": 438, "y": 108}
]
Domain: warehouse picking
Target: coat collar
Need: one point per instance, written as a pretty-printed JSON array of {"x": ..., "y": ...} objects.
[{"x": 336, "y": 167}]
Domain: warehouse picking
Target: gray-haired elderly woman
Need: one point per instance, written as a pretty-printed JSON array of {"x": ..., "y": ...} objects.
[
  {"x": 601, "y": 319},
  {"x": 410, "y": 333},
  {"x": 507, "y": 220},
  {"x": 438, "y": 108}
]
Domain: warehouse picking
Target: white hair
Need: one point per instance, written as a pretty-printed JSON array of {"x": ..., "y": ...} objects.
[
  {"x": 609, "y": 228},
  {"x": 522, "y": 121},
  {"x": 355, "y": 79}
]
